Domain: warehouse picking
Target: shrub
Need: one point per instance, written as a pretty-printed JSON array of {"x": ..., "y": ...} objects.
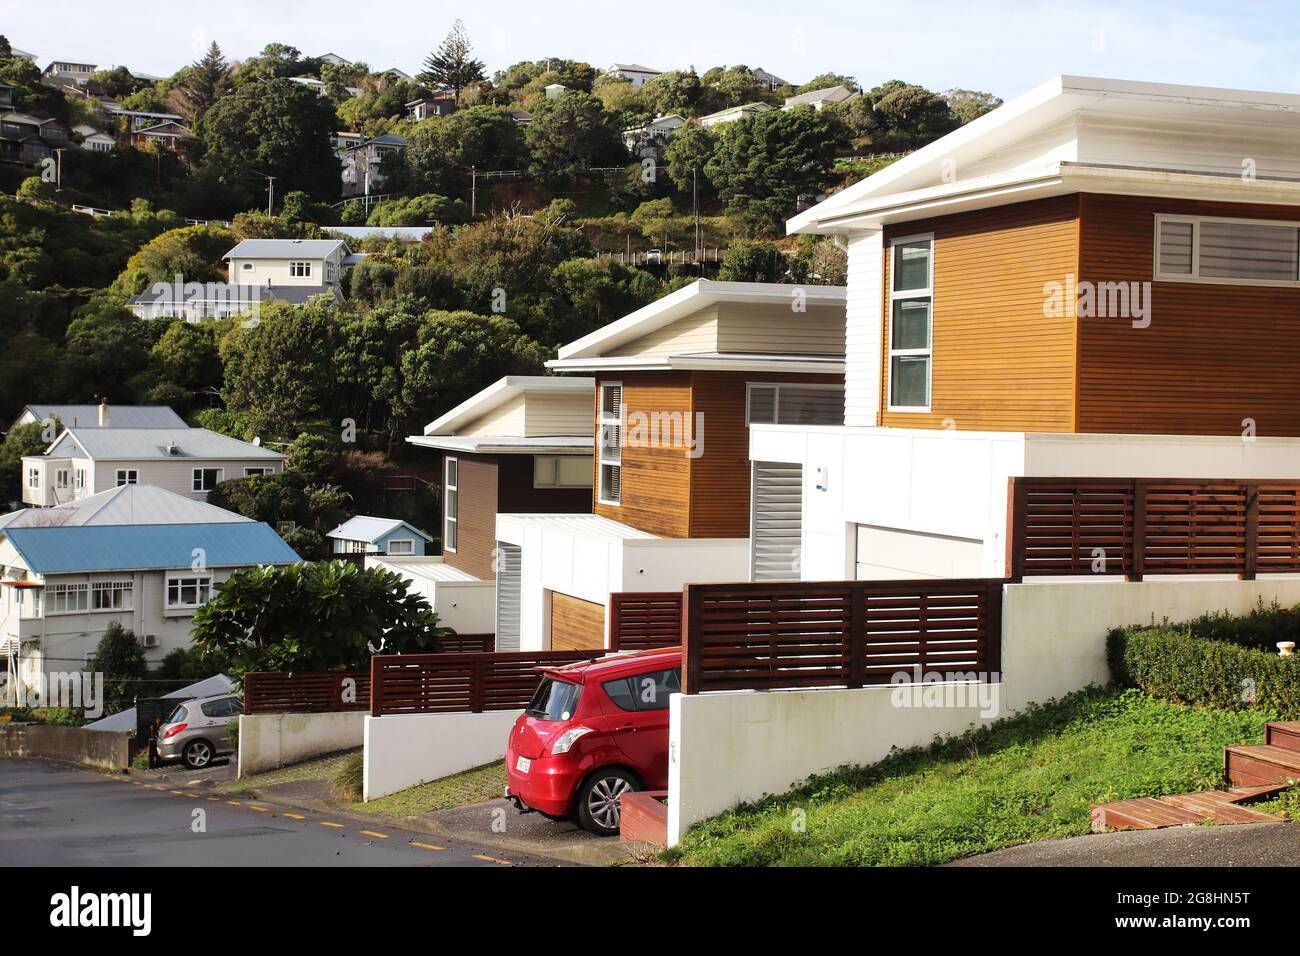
[
  {"x": 347, "y": 783},
  {"x": 1175, "y": 663}
]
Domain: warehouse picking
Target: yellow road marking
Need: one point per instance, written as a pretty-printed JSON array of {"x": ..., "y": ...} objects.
[
  {"x": 214, "y": 798},
  {"x": 426, "y": 846},
  {"x": 491, "y": 859},
  {"x": 193, "y": 783},
  {"x": 157, "y": 787},
  {"x": 258, "y": 809},
  {"x": 295, "y": 816},
  {"x": 234, "y": 803},
  {"x": 177, "y": 792},
  {"x": 326, "y": 823},
  {"x": 382, "y": 836}
]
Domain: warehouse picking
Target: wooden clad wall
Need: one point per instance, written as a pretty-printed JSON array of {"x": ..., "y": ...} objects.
[
  {"x": 656, "y": 479},
  {"x": 576, "y": 625},
  {"x": 999, "y": 363},
  {"x": 477, "y": 531},
  {"x": 1213, "y": 354}
]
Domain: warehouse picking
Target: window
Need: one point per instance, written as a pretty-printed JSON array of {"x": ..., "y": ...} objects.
[
  {"x": 111, "y": 596},
  {"x": 205, "y": 479},
  {"x": 225, "y": 707},
  {"x": 784, "y": 404},
  {"x": 246, "y": 266},
  {"x": 186, "y": 592},
  {"x": 61, "y": 479},
  {"x": 611, "y": 443},
  {"x": 451, "y": 495},
  {"x": 401, "y": 546},
  {"x": 33, "y": 477},
  {"x": 561, "y": 471},
  {"x": 910, "y": 323},
  {"x": 252, "y": 472},
  {"x": 644, "y": 692},
  {"x": 67, "y": 598},
  {"x": 554, "y": 699},
  {"x": 81, "y": 478},
  {"x": 300, "y": 270},
  {"x": 1236, "y": 251},
  {"x": 127, "y": 476}
]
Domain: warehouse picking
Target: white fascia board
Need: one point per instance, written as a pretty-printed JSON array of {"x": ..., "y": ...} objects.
[
  {"x": 500, "y": 391},
  {"x": 469, "y": 444}
]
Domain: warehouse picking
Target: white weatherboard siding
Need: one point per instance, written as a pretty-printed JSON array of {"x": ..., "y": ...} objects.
[
  {"x": 178, "y": 475},
  {"x": 726, "y": 748},
  {"x": 950, "y": 487},
  {"x": 862, "y": 343}
]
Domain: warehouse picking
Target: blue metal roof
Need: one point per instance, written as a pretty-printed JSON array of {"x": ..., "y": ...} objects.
[{"x": 58, "y": 550}]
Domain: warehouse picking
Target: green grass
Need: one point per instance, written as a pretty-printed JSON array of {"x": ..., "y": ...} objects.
[
  {"x": 1030, "y": 777},
  {"x": 468, "y": 786},
  {"x": 328, "y": 766}
]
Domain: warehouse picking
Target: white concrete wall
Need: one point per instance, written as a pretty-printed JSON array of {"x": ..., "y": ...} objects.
[
  {"x": 404, "y": 750},
  {"x": 726, "y": 748},
  {"x": 268, "y": 741}
]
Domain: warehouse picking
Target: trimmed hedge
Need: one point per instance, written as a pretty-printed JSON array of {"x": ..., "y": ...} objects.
[{"x": 1175, "y": 663}]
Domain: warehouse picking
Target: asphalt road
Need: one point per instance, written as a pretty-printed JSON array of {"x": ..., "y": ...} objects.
[{"x": 55, "y": 815}]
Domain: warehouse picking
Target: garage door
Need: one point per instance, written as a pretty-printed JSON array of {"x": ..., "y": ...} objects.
[{"x": 576, "y": 625}]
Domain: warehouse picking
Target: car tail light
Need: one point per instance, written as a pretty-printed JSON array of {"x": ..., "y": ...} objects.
[
  {"x": 566, "y": 740},
  {"x": 173, "y": 730}
]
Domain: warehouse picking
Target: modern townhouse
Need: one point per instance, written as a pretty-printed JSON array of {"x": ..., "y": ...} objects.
[
  {"x": 677, "y": 383},
  {"x": 259, "y": 271},
  {"x": 82, "y": 462},
  {"x": 1098, "y": 280},
  {"x": 137, "y": 555},
  {"x": 524, "y": 443}
]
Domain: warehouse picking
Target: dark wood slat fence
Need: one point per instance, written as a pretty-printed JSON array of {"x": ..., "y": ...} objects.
[
  {"x": 451, "y": 683},
  {"x": 769, "y": 635},
  {"x": 640, "y": 621},
  {"x": 1135, "y": 527},
  {"x": 272, "y": 692},
  {"x": 468, "y": 643}
]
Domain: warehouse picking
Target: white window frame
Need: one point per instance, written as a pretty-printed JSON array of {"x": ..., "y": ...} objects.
[
  {"x": 259, "y": 472},
  {"x": 776, "y": 402},
  {"x": 300, "y": 269},
  {"x": 80, "y": 479},
  {"x": 202, "y": 584},
  {"x": 601, "y": 460},
  {"x": 82, "y": 589},
  {"x": 928, "y": 351},
  {"x": 33, "y": 476},
  {"x": 410, "y": 546},
  {"x": 196, "y": 478},
  {"x": 127, "y": 476},
  {"x": 558, "y": 484},
  {"x": 124, "y": 588},
  {"x": 448, "y": 519},
  {"x": 62, "y": 479},
  {"x": 1195, "y": 221}
]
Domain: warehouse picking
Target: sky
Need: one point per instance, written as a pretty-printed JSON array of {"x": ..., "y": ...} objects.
[{"x": 1003, "y": 47}]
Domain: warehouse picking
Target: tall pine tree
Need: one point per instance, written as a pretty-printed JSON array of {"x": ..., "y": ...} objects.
[
  {"x": 205, "y": 81},
  {"x": 453, "y": 66}
]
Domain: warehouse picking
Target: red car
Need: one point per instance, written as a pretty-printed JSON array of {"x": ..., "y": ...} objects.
[{"x": 593, "y": 732}]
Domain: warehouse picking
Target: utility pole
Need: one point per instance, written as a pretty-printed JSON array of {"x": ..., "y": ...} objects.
[
  {"x": 695, "y": 200},
  {"x": 270, "y": 195},
  {"x": 58, "y": 169},
  {"x": 473, "y": 191}
]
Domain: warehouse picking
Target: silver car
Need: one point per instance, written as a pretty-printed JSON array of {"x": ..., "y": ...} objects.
[{"x": 196, "y": 730}]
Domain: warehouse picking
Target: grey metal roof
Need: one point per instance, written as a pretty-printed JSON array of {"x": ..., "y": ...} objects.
[
  {"x": 817, "y": 96},
  {"x": 152, "y": 443},
  {"x": 284, "y": 248},
  {"x": 119, "y": 416},
  {"x": 126, "y": 504},
  {"x": 366, "y": 528}
]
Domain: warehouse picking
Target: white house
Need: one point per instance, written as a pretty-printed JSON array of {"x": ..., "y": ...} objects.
[
  {"x": 186, "y": 461},
  {"x": 362, "y": 173},
  {"x": 654, "y": 133},
  {"x": 733, "y": 113},
  {"x": 363, "y": 534},
  {"x": 976, "y": 351},
  {"x": 633, "y": 72},
  {"x": 137, "y": 555},
  {"x": 819, "y": 99},
  {"x": 94, "y": 140}
]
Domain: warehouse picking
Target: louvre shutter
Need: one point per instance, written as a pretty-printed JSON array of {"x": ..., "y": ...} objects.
[
  {"x": 778, "y": 521},
  {"x": 508, "y": 588}
]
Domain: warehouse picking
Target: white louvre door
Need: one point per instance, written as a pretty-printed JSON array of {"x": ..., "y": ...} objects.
[
  {"x": 508, "y": 578},
  {"x": 777, "y": 521}
]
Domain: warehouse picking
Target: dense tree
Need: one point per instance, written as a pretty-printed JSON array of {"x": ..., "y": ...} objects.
[
  {"x": 418, "y": 211},
  {"x": 440, "y": 152},
  {"x": 686, "y": 155},
  {"x": 762, "y": 166},
  {"x": 193, "y": 253},
  {"x": 272, "y": 128},
  {"x": 452, "y": 66},
  {"x": 183, "y": 365},
  {"x": 747, "y": 261},
  {"x": 908, "y": 116},
  {"x": 30, "y": 439},
  {"x": 105, "y": 349},
  {"x": 569, "y": 134},
  {"x": 676, "y": 91},
  {"x": 825, "y": 81},
  {"x": 119, "y": 656},
  {"x": 203, "y": 83},
  {"x": 595, "y": 292},
  {"x": 329, "y": 615},
  {"x": 968, "y": 105}
]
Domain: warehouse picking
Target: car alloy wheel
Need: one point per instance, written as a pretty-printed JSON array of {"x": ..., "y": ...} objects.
[
  {"x": 602, "y": 800},
  {"x": 198, "y": 754}
]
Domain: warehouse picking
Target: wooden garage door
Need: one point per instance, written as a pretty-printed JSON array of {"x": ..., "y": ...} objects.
[{"x": 576, "y": 625}]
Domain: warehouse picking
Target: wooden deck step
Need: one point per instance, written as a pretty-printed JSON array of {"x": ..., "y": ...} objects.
[
  {"x": 1143, "y": 813},
  {"x": 1284, "y": 734},
  {"x": 1218, "y": 805},
  {"x": 1260, "y": 764},
  {"x": 1250, "y": 794}
]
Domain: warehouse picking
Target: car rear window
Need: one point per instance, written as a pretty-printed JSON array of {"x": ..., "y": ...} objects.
[
  {"x": 176, "y": 715},
  {"x": 554, "y": 700}
]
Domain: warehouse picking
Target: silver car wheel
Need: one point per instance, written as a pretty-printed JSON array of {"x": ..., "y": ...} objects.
[
  {"x": 198, "y": 754},
  {"x": 602, "y": 802}
]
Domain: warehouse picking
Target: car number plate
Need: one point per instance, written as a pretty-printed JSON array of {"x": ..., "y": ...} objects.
[{"x": 522, "y": 764}]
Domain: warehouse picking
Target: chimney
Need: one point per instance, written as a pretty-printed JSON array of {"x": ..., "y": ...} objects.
[{"x": 103, "y": 413}]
